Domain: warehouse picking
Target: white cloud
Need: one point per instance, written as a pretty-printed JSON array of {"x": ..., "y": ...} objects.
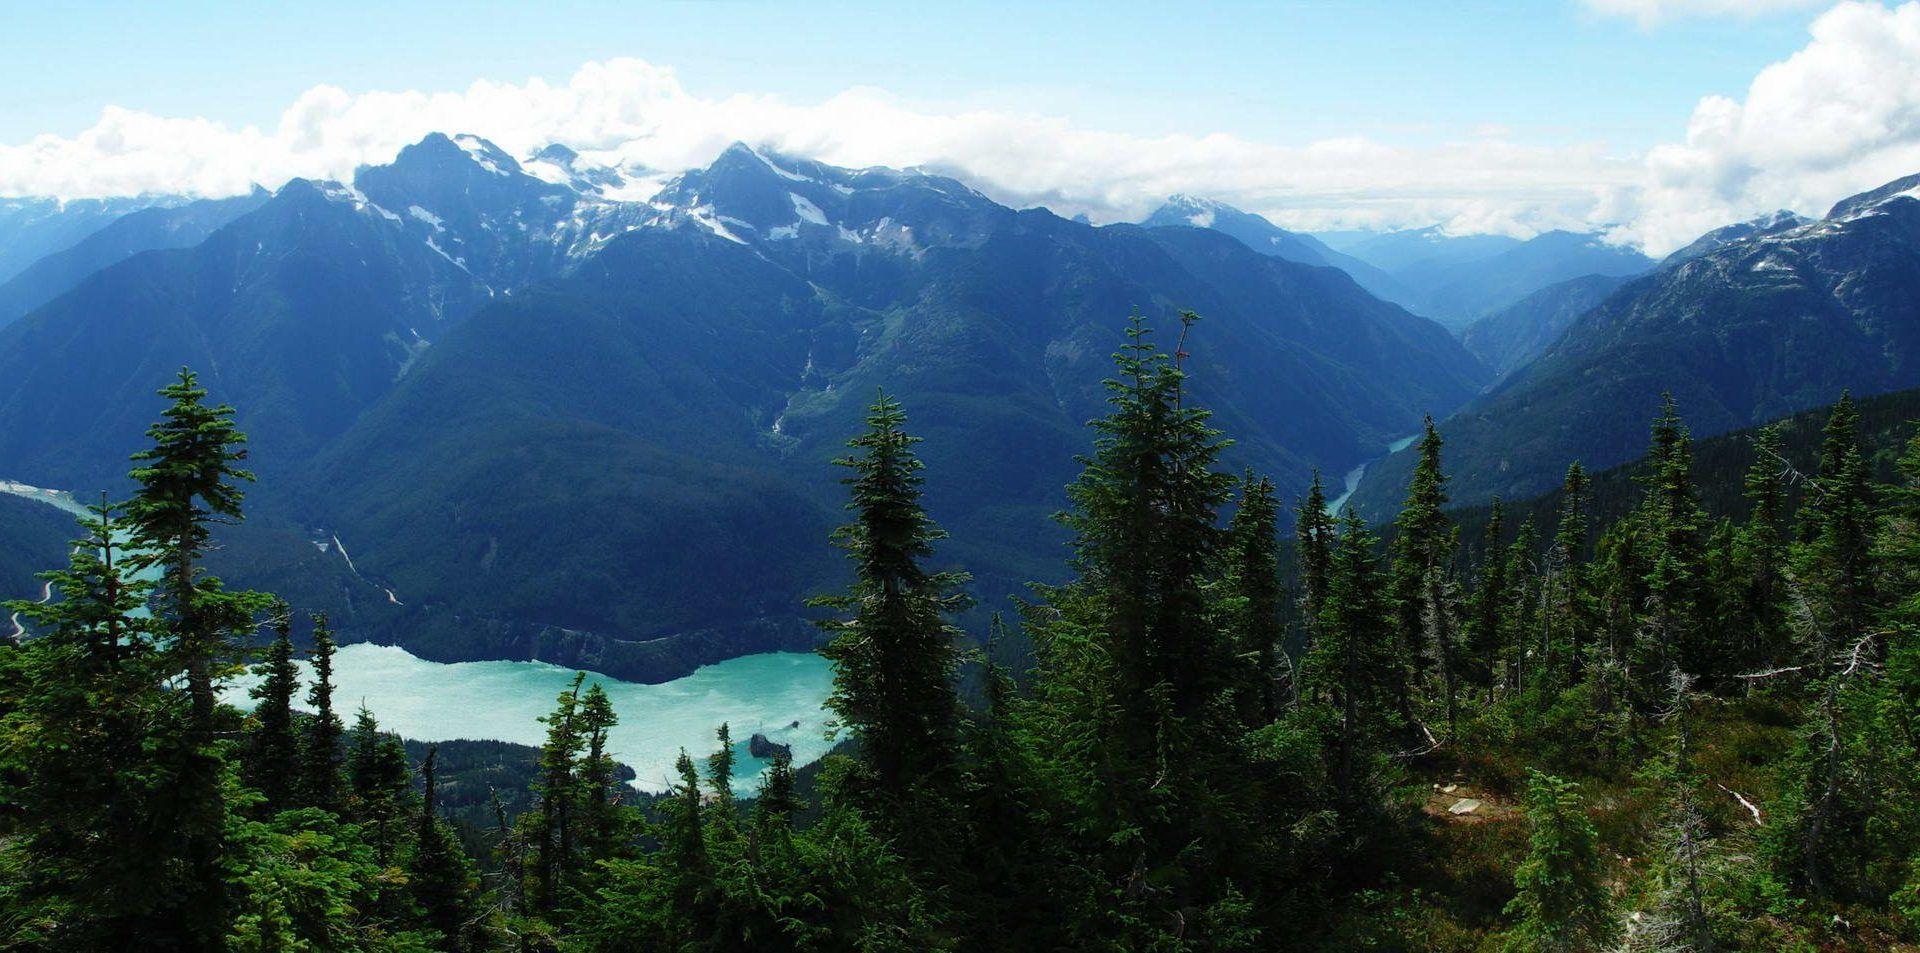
[
  {"x": 1839, "y": 116},
  {"x": 636, "y": 112},
  {"x": 1653, "y": 12}
]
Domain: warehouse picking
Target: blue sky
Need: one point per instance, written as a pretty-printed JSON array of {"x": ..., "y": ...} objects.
[
  {"x": 1649, "y": 120},
  {"x": 1547, "y": 70}
]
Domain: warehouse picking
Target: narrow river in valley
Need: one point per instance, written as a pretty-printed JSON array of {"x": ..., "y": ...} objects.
[{"x": 1352, "y": 480}]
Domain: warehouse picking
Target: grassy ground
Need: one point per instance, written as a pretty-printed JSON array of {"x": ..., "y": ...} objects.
[{"x": 1451, "y": 888}]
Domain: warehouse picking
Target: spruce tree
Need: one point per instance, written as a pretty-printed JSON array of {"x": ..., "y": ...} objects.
[
  {"x": 552, "y": 831},
  {"x": 892, "y": 647},
  {"x": 377, "y": 776},
  {"x": 1491, "y": 601},
  {"x": 1313, "y": 542},
  {"x": 1672, "y": 551},
  {"x": 1837, "y": 527},
  {"x": 1354, "y": 666},
  {"x": 1254, "y": 575},
  {"x": 1761, "y": 557},
  {"x": 273, "y": 759},
  {"x": 1422, "y": 574},
  {"x": 322, "y": 733},
  {"x": 720, "y": 777},
  {"x": 1566, "y": 620},
  {"x": 185, "y": 482},
  {"x": 600, "y": 828},
  {"x": 1524, "y": 602},
  {"x": 1562, "y": 904},
  {"x": 438, "y": 871},
  {"x": 93, "y": 753}
]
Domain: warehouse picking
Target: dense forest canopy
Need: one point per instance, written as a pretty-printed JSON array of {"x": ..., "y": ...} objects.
[{"x": 1665, "y": 713}]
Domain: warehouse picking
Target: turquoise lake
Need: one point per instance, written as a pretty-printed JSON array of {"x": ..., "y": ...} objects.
[
  {"x": 778, "y": 694},
  {"x": 434, "y": 701}
]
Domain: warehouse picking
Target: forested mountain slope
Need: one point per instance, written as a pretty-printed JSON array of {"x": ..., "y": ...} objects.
[
  {"x": 553, "y": 472},
  {"x": 1744, "y": 333}
]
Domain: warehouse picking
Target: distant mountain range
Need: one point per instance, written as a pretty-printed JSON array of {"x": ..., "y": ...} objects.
[
  {"x": 1453, "y": 279},
  {"x": 1510, "y": 338},
  {"x": 1263, "y": 236},
  {"x": 501, "y": 409},
  {"x": 1752, "y": 323},
  {"x": 541, "y": 408}
]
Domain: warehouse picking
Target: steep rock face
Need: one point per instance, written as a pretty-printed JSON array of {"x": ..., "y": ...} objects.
[{"x": 1749, "y": 331}]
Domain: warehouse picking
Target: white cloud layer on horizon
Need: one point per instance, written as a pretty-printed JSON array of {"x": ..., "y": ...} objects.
[
  {"x": 1654, "y": 12},
  {"x": 1839, "y": 116},
  {"x": 634, "y": 112}
]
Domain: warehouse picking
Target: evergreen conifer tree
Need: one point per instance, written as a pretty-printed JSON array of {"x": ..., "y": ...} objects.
[
  {"x": 274, "y": 747},
  {"x": 1254, "y": 574},
  {"x": 1562, "y": 904},
  {"x": 185, "y": 482},
  {"x": 438, "y": 871},
  {"x": 552, "y": 832},
  {"x": 322, "y": 733},
  {"x": 382, "y": 792},
  {"x": 893, "y": 648}
]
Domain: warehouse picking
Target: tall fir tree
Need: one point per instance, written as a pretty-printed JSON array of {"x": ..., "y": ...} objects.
[
  {"x": 322, "y": 734},
  {"x": 601, "y": 831},
  {"x": 1761, "y": 557},
  {"x": 551, "y": 832},
  {"x": 1487, "y": 623},
  {"x": 1567, "y": 614},
  {"x": 1254, "y": 578},
  {"x": 893, "y": 650},
  {"x": 1423, "y": 588},
  {"x": 187, "y": 481},
  {"x": 1562, "y": 903},
  {"x": 273, "y": 757},
  {"x": 1837, "y": 526},
  {"x": 1313, "y": 542},
  {"x": 438, "y": 871},
  {"x": 1671, "y": 548},
  {"x": 93, "y": 753},
  {"x": 1356, "y": 668},
  {"x": 1524, "y": 599},
  {"x": 380, "y": 785}
]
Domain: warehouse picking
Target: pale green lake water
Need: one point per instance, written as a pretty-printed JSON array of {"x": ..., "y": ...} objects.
[{"x": 503, "y": 701}]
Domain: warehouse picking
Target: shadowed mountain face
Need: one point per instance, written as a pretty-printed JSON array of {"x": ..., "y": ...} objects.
[
  {"x": 547, "y": 423},
  {"x": 160, "y": 226},
  {"x": 1750, "y": 330},
  {"x": 1509, "y": 338},
  {"x": 1263, "y": 236},
  {"x": 1453, "y": 279},
  {"x": 564, "y": 463},
  {"x": 33, "y": 228}
]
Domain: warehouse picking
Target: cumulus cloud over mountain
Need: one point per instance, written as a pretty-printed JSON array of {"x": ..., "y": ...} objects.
[{"x": 1841, "y": 114}]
